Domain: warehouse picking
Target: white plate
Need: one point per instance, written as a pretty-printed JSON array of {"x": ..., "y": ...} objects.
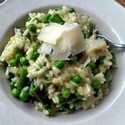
[{"x": 109, "y": 18}]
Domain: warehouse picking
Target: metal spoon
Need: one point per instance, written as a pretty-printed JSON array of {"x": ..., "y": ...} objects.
[{"x": 112, "y": 45}]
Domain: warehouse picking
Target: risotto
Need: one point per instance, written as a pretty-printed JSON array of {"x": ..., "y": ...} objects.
[{"x": 56, "y": 62}]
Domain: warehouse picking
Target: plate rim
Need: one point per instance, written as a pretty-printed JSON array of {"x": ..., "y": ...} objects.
[{"x": 121, "y": 38}]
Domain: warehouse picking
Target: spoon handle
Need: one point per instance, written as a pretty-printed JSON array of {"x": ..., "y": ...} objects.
[{"x": 116, "y": 46}]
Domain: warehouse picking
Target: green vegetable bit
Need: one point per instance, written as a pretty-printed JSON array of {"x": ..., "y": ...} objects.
[
  {"x": 18, "y": 56},
  {"x": 71, "y": 10},
  {"x": 23, "y": 61},
  {"x": 21, "y": 82},
  {"x": 12, "y": 85},
  {"x": 31, "y": 89},
  {"x": 34, "y": 55},
  {"x": 66, "y": 93},
  {"x": 100, "y": 60},
  {"x": 79, "y": 96},
  {"x": 89, "y": 31},
  {"x": 41, "y": 65},
  {"x": 68, "y": 110},
  {"x": 24, "y": 95},
  {"x": 29, "y": 18},
  {"x": 45, "y": 21},
  {"x": 13, "y": 62},
  {"x": 32, "y": 27},
  {"x": 77, "y": 79},
  {"x": 35, "y": 47},
  {"x": 95, "y": 71},
  {"x": 113, "y": 60},
  {"x": 2, "y": 63},
  {"x": 15, "y": 92},
  {"x": 107, "y": 77},
  {"x": 32, "y": 36},
  {"x": 57, "y": 19},
  {"x": 92, "y": 64},
  {"x": 41, "y": 96},
  {"x": 18, "y": 50},
  {"x": 96, "y": 84},
  {"x": 46, "y": 18},
  {"x": 46, "y": 84},
  {"x": 73, "y": 59},
  {"x": 51, "y": 112},
  {"x": 59, "y": 64},
  {"x": 61, "y": 99}
]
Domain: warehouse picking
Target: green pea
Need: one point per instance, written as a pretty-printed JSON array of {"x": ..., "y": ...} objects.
[
  {"x": 15, "y": 92},
  {"x": 59, "y": 64},
  {"x": 92, "y": 64},
  {"x": 23, "y": 61},
  {"x": 57, "y": 19},
  {"x": 35, "y": 47},
  {"x": 34, "y": 55},
  {"x": 18, "y": 50},
  {"x": 73, "y": 59},
  {"x": 13, "y": 62},
  {"x": 96, "y": 84},
  {"x": 71, "y": 10},
  {"x": 18, "y": 56},
  {"x": 24, "y": 95},
  {"x": 32, "y": 27},
  {"x": 12, "y": 85},
  {"x": 77, "y": 79},
  {"x": 95, "y": 71},
  {"x": 46, "y": 18},
  {"x": 66, "y": 93},
  {"x": 60, "y": 98},
  {"x": 51, "y": 111}
]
